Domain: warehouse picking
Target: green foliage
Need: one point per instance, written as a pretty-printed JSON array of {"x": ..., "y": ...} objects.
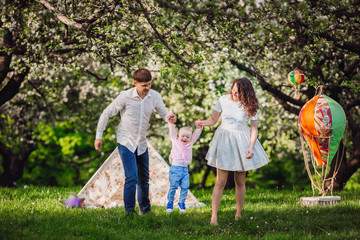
[
  {"x": 354, "y": 182},
  {"x": 52, "y": 163},
  {"x": 36, "y": 213},
  {"x": 196, "y": 179}
]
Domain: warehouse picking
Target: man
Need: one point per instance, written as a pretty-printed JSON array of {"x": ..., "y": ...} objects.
[{"x": 135, "y": 106}]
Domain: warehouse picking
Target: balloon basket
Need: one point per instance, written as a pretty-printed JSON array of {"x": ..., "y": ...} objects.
[{"x": 320, "y": 201}]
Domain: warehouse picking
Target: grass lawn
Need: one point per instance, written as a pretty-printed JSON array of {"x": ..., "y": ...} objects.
[{"x": 35, "y": 213}]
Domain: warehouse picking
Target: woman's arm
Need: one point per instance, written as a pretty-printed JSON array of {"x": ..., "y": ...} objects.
[
  {"x": 196, "y": 134},
  {"x": 253, "y": 137},
  {"x": 212, "y": 120}
]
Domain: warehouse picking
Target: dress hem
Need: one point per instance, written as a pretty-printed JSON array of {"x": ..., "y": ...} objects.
[{"x": 240, "y": 170}]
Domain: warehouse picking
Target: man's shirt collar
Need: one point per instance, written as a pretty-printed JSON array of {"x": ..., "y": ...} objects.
[{"x": 136, "y": 95}]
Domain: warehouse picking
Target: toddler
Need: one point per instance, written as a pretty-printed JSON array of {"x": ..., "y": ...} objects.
[{"x": 180, "y": 158}]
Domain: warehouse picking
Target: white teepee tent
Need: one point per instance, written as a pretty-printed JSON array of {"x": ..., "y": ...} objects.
[{"x": 106, "y": 186}]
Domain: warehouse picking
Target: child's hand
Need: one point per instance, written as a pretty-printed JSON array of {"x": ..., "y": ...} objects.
[
  {"x": 199, "y": 123},
  {"x": 171, "y": 118}
]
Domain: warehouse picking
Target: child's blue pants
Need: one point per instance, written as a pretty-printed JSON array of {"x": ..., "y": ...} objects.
[{"x": 178, "y": 176}]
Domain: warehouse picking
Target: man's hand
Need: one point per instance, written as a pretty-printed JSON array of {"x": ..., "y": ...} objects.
[
  {"x": 97, "y": 144},
  {"x": 171, "y": 118}
]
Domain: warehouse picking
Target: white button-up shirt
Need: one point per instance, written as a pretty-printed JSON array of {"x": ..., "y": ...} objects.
[{"x": 135, "y": 114}]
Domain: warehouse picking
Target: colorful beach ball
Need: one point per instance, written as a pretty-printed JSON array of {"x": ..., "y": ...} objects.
[
  {"x": 296, "y": 77},
  {"x": 322, "y": 123}
]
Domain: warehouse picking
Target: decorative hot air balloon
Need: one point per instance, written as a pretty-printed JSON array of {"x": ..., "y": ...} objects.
[
  {"x": 322, "y": 123},
  {"x": 295, "y": 78}
]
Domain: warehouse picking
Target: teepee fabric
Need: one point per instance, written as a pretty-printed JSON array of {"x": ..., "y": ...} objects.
[{"x": 106, "y": 186}]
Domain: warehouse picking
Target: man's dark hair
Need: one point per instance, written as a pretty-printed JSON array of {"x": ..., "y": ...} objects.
[{"x": 142, "y": 75}]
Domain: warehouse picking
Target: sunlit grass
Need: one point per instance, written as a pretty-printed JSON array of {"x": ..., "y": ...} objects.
[{"x": 35, "y": 213}]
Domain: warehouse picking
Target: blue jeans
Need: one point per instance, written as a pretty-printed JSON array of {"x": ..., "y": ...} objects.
[
  {"x": 136, "y": 176},
  {"x": 178, "y": 176}
]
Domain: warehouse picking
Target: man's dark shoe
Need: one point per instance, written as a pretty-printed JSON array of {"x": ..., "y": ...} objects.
[
  {"x": 130, "y": 213},
  {"x": 150, "y": 212}
]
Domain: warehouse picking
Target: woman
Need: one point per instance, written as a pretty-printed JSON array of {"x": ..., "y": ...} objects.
[{"x": 234, "y": 146}]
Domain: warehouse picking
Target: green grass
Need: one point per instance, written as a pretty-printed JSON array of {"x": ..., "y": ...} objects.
[{"x": 35, "y": 213}]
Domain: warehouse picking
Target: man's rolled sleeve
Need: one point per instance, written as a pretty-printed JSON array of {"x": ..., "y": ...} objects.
[
  {"x": 110, "y": 111},
  {"x": 161, "y": 109}
]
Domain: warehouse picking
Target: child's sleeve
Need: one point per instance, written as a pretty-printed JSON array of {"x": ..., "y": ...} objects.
[
  {"x": 196, "y": 135},
  {"x": 172, "y": 131}
]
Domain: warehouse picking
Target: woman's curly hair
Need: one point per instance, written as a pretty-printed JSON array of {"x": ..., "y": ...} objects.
[{"x": 246, "y": 95}]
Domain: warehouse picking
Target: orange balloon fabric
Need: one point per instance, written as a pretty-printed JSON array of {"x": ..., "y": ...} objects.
[{"x": 306, "y": 120}]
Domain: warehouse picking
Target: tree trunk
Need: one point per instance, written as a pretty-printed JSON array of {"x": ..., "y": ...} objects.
[
  {"x": 6, "y": 177},
  {"x": 13, "y": 83},
  {"x": 13, "y": 164},
  {"x": 347, "y": 167},
  {"x": 206, "y": 174},
  {"x": 230, "y": 184}
]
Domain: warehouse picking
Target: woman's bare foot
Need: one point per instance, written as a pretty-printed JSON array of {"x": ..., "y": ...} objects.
[
  {"x": 213, "y": 221},
  {"x": 237, "y": 216}
]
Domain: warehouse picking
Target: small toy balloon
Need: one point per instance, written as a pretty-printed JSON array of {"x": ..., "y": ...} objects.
[{"x": 295, "y": 78}]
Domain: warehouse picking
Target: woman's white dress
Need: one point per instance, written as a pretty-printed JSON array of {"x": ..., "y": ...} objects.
[{"x": 227, "y": 150}]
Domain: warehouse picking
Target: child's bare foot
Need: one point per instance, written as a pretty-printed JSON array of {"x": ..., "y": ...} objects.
[{"x": 213, "y": 221}]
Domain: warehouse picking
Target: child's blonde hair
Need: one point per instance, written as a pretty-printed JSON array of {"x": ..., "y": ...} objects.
[{"x": 186, "y": 128}]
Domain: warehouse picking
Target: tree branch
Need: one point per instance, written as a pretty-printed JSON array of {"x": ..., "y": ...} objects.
[
  {"x": 5, "y": 58},
  {"x": 47, "y": 105},
  {"x": 352, "y": 124},
  {"x": 351, "y": 46},
  {"x": 167, "y": 5},
  {"x": 341, "y": 13},
  {"x": 96, "y": 76},
  {"x": 67, "y": 50},
  {"x": 4, "y": 67},
  {"x": 78, "y": 164},
  {"x": 352, "y": 104},
  {"x": 60, "y": 16},
  {"x": 189, "y": 64},
  {"x": 351, "y": 69},
  {"x": 282, "y": 98},
  {"x": 12, "y": 87}
]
